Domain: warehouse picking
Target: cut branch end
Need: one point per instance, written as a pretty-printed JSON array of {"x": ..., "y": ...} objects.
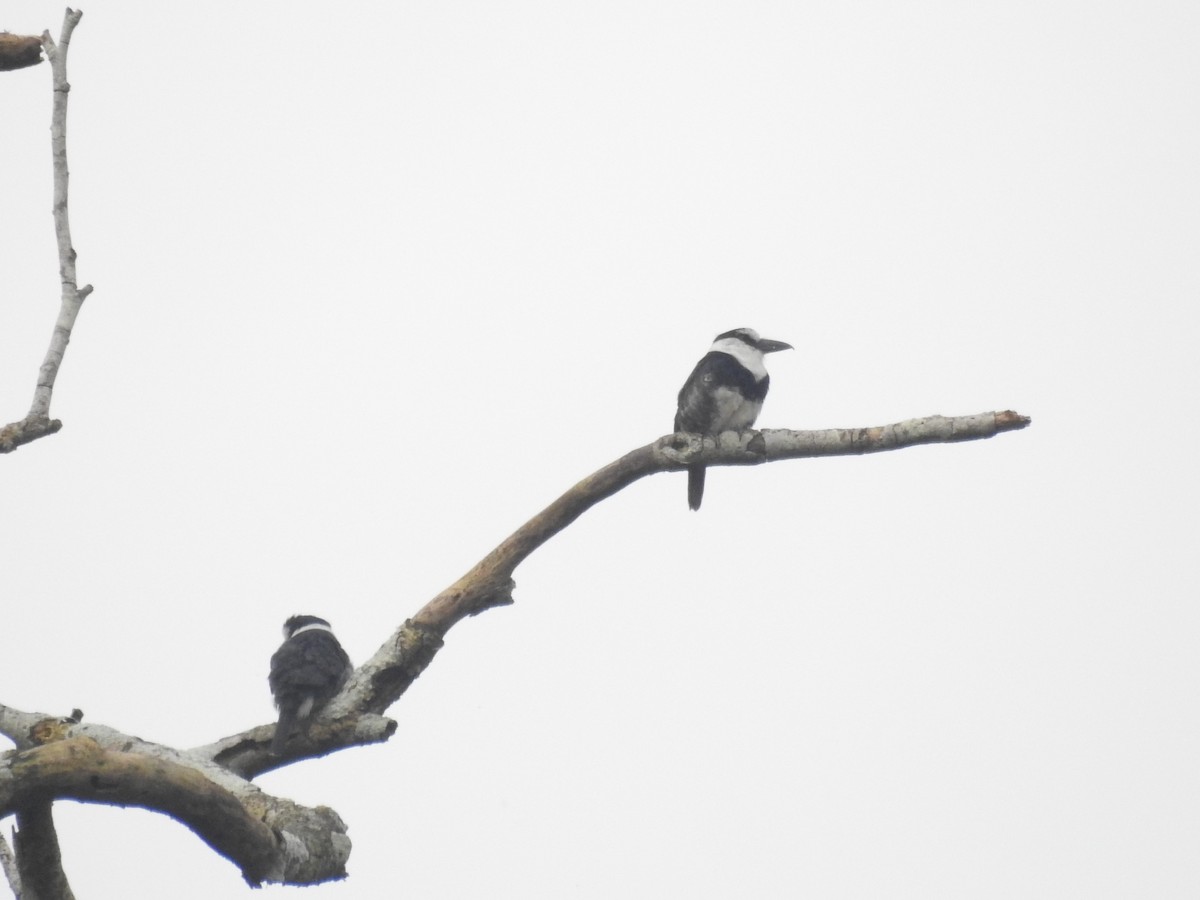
[
  {"x": 26, "y": 431},
  {"x": 19, "y": 51},
  {"x": 1008, "y": 420}
]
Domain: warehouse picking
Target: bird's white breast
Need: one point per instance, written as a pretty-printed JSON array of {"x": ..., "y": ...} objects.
[{"x": 733, "y": 411}]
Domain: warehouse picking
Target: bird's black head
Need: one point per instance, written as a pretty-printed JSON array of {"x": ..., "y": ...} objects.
[
  {"x": 295, "y": 623},
  {"x": 750, "y": 338}
]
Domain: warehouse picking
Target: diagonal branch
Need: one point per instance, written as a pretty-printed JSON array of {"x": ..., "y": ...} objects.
[
  {"x": 37, "y": 423},
  {"x": 489, "y": 583},
  {"x": 380, "y": 681}
]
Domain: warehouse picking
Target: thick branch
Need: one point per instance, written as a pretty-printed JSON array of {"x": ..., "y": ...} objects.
[
  {"x": 80, "y": 769},
  {"x": 37, "y": 423},
  {"x": 268, "y": 838}
]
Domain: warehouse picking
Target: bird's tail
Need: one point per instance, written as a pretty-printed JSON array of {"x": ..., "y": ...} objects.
[
  {"x": 287, "y": 724},
  {"x": 695, "y": 486}
]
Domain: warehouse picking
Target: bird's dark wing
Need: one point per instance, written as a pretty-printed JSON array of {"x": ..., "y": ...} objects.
[
  {"x": 696, "y": 403},
  {"x": 697, "y": 400}
]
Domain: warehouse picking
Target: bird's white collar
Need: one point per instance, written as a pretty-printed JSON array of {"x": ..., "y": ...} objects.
[
  {"x": 315, "y": 626},
  {"x": 750, "y": 357}
]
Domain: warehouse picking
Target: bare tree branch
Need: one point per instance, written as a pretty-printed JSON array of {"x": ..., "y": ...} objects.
[
  {"x": 382, "y": 679},
  {"x": 72, "y": 296},
  {"x": 246, "y": 753},
  {"x": 268, "y": 838},
  {"x": 271, "y": 839},
  {"x": 37, "y": 423}
]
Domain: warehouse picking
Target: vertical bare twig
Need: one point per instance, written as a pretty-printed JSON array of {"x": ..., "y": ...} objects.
[
  {"x": 9, "y": 864},
  {"x": 72, "y": 296},
  {"x": 38, "y": 422}
]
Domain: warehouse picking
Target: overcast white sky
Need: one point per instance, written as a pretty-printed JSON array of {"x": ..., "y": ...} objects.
[{"x": 375, "y": 282}]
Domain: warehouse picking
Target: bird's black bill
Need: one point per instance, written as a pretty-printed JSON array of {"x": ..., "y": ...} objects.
[{"x": 767, "y": 346}]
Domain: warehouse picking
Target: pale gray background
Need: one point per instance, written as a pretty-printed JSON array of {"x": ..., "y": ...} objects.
[{"x": 376, "y": 281}]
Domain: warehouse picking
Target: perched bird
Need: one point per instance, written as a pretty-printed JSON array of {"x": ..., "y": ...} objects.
[
  {"x": 724, "y": 392},
  {"x": 307, "y": 671}
]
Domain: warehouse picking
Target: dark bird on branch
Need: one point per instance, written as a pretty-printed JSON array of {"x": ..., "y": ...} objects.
[
  {"x": 307, "y": 671},
  {"x": 724, "y": 392}
]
